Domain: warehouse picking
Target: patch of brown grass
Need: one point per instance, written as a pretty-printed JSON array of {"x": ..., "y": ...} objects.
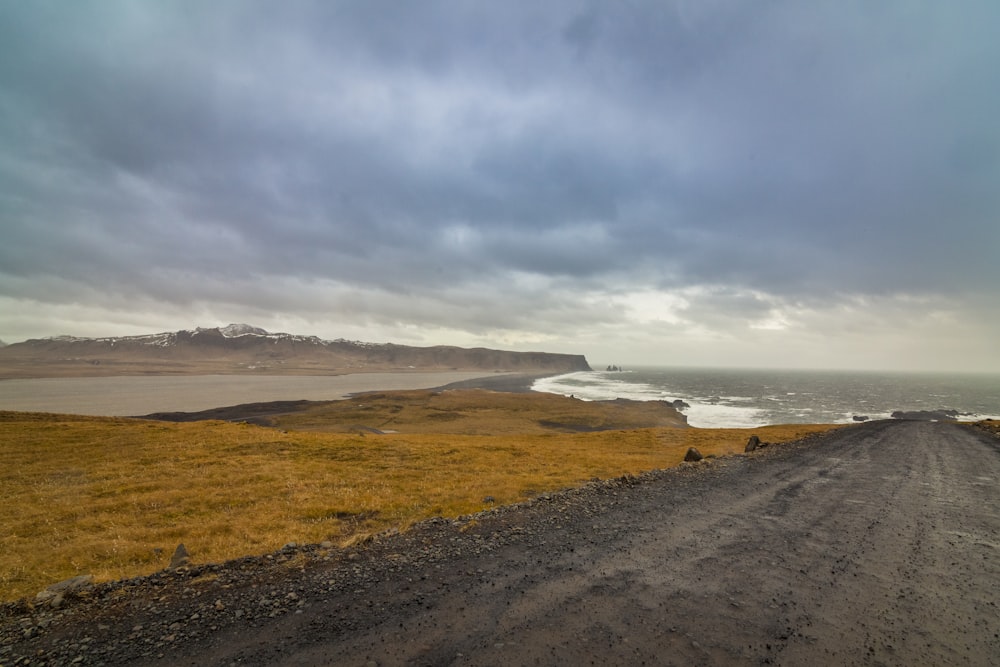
[
  {"x": 479, "y": 412},
  {"x": 113, "y": 497}
]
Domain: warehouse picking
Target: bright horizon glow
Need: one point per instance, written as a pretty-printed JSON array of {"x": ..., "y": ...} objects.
[{"x": 597, "y": 363}]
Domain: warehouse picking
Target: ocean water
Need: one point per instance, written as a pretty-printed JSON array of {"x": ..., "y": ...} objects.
[{"x": 740, "y": 398}]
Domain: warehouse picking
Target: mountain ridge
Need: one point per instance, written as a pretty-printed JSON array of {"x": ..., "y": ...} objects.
[{"x": 242, "y": 348}]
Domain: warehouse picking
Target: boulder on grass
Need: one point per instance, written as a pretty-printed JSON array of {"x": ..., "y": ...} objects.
[
  {"x": 693, "y": 455},
  {"x": 181, "y": 557}
]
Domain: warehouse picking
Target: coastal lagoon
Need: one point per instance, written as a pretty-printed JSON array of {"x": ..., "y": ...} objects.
[
  {"x": 141, "y": 395},
  {"x": 744, "y": 398}
]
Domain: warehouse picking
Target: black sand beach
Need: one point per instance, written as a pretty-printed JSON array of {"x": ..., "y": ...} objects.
[{"x": 260, "y": 412}]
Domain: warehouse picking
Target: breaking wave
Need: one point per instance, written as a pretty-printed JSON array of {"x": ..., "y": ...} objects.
[{"x": 737, "y": 398}]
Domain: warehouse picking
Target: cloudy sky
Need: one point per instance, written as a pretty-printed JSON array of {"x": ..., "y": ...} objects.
[{"x": 680, "y": 182}]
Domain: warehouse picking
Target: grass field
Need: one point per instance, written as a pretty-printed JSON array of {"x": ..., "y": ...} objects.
[
  {"x": 113, "y": 497},
  {"x": 478, "y": 412}
]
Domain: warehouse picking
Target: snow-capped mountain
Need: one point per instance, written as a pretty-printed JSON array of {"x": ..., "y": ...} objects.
[
  {"x": 234, "y": 330},
  {"x": 242, "y": 348}
]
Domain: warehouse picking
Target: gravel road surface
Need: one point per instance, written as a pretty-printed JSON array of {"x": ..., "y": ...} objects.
[{"x": 876, "y": 544}]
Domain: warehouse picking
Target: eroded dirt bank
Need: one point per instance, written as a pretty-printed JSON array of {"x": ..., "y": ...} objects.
[{"x": 876, "y": 544}]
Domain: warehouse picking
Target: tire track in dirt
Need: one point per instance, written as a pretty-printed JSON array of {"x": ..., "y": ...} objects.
[{"x": 871, "y": 548}]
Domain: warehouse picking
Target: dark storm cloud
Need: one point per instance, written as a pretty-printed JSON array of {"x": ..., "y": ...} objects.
[{"x": 806, "y": 150}]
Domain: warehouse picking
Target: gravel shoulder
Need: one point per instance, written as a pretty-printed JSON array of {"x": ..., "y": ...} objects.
[{"x": 874, "y": 544}]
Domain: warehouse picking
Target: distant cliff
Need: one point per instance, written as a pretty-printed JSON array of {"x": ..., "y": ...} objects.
[{"x": 240, "y": 348}]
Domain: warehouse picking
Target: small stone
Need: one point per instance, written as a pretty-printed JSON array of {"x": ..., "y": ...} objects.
[
  {"x": 752, "y": 444},
  {"x": 73, "y": 584},
  {"x": 693, "y": 455}
]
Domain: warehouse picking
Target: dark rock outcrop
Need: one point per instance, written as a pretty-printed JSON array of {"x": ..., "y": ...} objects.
[{"x": 693, "y": 455}]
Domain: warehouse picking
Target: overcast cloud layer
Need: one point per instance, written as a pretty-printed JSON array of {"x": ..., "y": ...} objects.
[{"x": 718, "y": 182}]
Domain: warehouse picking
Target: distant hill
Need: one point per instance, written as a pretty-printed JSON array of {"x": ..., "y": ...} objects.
[{"x": 241, "y": 348}]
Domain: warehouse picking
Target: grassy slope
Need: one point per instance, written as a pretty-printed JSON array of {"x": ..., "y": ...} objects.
[
  {"x": 113, "y": 497},
  {"x": 478, "y": 412}
]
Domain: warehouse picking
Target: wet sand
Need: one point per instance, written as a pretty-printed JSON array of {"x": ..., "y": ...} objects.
[{"x": 140, "y": 395}]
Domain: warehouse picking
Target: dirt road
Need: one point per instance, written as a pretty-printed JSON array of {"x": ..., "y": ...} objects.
[{"x": 878, "y": 544}]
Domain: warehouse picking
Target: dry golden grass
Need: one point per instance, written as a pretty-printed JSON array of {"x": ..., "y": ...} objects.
[
  {"x": 113, "y": 497},
  {"x": 478, "y": 412}
]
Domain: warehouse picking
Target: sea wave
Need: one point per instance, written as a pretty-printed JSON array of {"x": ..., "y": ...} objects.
[
  {"x": 605, "y": 386},
  {"x": 598, "y": 386},
  {"x": 733, "y": 398}
]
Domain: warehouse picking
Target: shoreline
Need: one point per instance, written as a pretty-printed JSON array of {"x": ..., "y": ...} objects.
[
  {"x": 260, "y": 412},
  {"x": 514, "y": 383},
  {"x": 141, "y": 395}
]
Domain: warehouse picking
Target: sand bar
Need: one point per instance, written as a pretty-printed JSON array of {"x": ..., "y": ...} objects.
[{"x": 140, "y": 395}]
